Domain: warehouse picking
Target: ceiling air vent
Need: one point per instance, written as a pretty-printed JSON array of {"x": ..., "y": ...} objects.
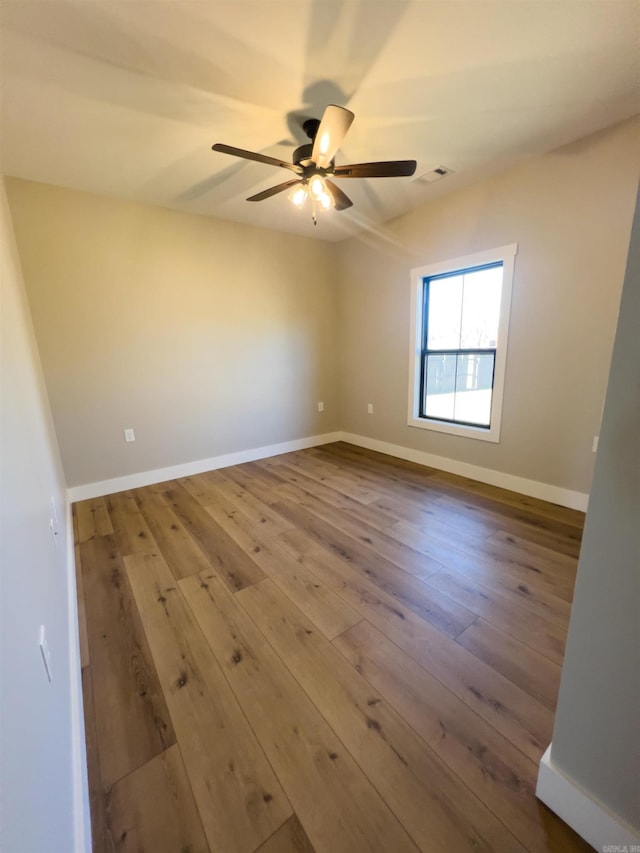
[{"x": 433, "y": 175}]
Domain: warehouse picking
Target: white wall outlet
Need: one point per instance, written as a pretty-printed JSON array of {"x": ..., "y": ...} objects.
[
  {"x": 595, "y": 443},
  {"x": 129, "y": 435},
  {"x": 45, "y": 652},
  {"x": 369, "y": 408},
  {"x": 321, "y": 407}
]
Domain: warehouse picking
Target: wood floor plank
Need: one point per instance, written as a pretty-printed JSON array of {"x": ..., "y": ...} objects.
[
  {"x": 253, "y": 509},
  {"x": 517, "y": 583},
  {"x": 207, "y": 491},
  {"x": 290, "y": 838},
  {"x": 466, "y": 552},
  {"x": 471, "y": 518},
  {"x": 440, "y": 550},
  {"x": 232, "y": 563},
  {"x": 532, "y": 629},
  {"x": 393, "y": 484},
  {"x": 545, "y": 509},
  {"x": 392, "y": 549},
  {"x": 516, "y": 589},
  {"x": 201, "y": 486},
  {"x": 491, "y": 502},
  {"x": 370, "y": 461},
  {"x": 83, "y": 636},
  {"x": 152, "y": 809},
  {"x": 502, "y": 777},
  {"x": 179, "y": 549},
  {"x": 524, "y": 721},
  {"x": 532, "y": 562},
  {"x": 337, "y": 805},
  {"x": 427, "y": 515},
  {"x": 100, "y": 841},
  {"x": 240, "y": 801},
  {"x": 260, "y": 471},
  {"x": 415, "y": 490},
  {"x": 408, "y": 773},
  {"x": 132, "y": 719},
  {"x": 323, "y": 474},
  {"x": 92, "y": 519},
  {"x": 255, "y": 485},
  {"x": 545, "y": 555},
  {"x": 327, "y": 465},
  {"x": 298, "y": 483},
  {"x": 566, "y": 538},
  {"x": 535, "y": 674},
  {"x": 328, "y": 612},
  {"x": 439, "y": 610},
  {"x": 130, "y": 529}
]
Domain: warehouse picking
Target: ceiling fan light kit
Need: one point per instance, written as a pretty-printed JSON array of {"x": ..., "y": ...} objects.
[
  {"x": 314, "y": 162},
  {"x": 315, "y": 189}
]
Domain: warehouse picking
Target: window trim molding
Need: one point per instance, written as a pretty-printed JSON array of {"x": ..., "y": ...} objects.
[{"x": 504, "y": 254}]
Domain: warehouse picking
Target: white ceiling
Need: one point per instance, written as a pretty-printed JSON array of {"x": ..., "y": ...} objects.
[{"x": 126, "y": 98}]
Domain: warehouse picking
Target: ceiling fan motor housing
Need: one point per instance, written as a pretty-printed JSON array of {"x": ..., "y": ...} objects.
[{"x": 302, "y": 154}]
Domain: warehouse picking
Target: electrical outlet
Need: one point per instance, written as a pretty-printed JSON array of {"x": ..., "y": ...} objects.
[
  {"x": 595, "y": 443},
  {"x": 129, "y": 435},
  {"x": 45, "y": 652},
  {"x": 321, "y": 407},
  {"x": 369, "y": 408}
]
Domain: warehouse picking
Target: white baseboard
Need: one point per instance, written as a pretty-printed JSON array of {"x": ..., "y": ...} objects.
[
  {"x": 199, "y": 466},
  {"x": 81, "y": 810},
  {"x": 590, "y": 818},
  {"x": 543, "y": 491}
]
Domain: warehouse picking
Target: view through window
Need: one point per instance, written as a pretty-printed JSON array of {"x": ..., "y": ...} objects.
[
  {"x": 458, "y": 343},
  {"x": 461, "y": 316}
]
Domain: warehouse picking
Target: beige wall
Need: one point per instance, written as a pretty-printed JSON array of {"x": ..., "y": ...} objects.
[
  {"x": 210, "y": 337},
  {"x": 597, "y": 726},
  {"x": 206, "y": 337},
  {"x": 570, "y": 213},
  {"x": 41, "y": 734}
]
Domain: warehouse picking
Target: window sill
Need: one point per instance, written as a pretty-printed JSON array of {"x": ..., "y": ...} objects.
[{"x": 492, "y": 434}]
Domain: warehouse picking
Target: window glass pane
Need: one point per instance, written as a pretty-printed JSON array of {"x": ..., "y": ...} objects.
[
  {"x": 473, "y": 388},
  {"x": 444, "y": 312},
  {"x": 480, "y": 308},
  {"x": 440, "y": 386}
]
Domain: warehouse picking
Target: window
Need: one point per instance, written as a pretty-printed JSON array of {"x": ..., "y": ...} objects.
[{"x": 459, "y": 325}]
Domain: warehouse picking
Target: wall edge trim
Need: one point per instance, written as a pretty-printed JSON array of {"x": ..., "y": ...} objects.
[
  {"x": 580, "y": 810},
  {"x": 532, "y": 488},
  {"x": 81, "y": 810},
  {"x": 198, "y": 466}
]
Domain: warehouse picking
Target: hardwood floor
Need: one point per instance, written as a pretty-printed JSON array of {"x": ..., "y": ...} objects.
[{"x": 330, "y": 650}]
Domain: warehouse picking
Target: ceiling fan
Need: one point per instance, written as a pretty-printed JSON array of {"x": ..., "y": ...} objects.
[{"x": 313, "y": 164}]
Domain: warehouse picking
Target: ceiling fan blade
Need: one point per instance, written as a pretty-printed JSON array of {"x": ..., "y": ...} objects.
[
  {"x": 341, "y": 200},
  {"x": 273, "y": 191},
  {"x": 334, "y": 125},
  {"x": 259, "y": 158},
  {"x": 383, "y": 169}
]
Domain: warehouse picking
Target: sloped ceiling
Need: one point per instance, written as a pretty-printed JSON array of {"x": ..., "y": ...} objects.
[{"x": 126, "y": 98}]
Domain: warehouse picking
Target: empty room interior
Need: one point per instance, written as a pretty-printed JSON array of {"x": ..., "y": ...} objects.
[{"x": 320, "y": 426}]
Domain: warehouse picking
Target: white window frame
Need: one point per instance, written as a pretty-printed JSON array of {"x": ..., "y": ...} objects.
[{"x": 504, "y": 254}]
